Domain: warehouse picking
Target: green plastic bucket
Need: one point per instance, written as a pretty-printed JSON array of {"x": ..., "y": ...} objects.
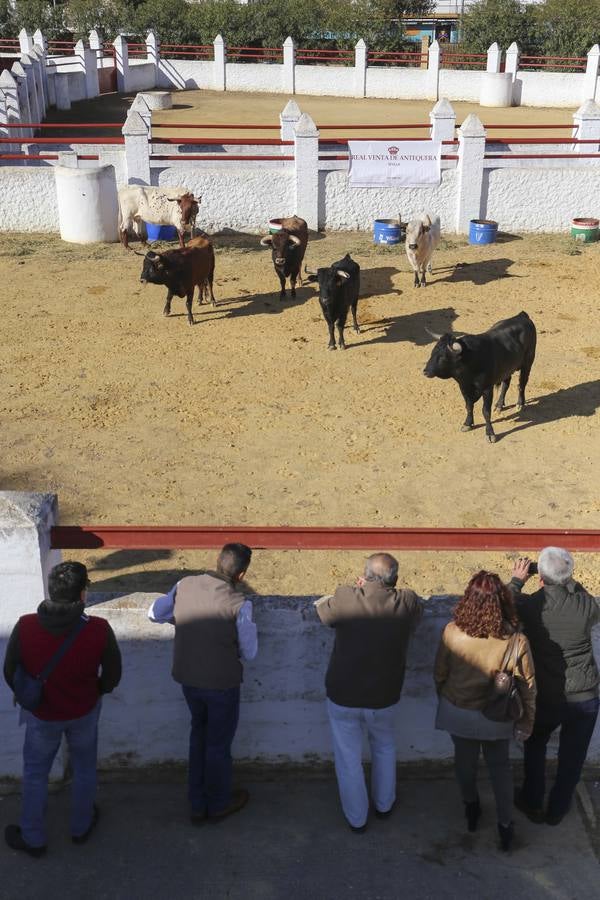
[
  {"x": 586, "y": 230},
  {"x": 274, "y": 225}
]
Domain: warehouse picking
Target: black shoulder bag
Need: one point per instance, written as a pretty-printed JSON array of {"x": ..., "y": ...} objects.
[{"x": 28, "y": 689}]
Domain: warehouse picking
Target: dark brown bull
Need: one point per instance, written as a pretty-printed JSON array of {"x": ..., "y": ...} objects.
[
  {"x": 288, "y": 248},
  {"x": 181, "y": 271}
]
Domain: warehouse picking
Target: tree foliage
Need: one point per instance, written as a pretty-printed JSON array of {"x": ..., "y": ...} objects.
[{"x": 500, "y": 21}]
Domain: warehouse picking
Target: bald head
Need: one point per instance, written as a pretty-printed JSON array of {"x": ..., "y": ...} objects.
[{"x": 382, "y": 567}]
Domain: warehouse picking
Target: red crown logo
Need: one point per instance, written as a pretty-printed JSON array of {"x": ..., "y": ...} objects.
[{"x": 393, "y": 150}]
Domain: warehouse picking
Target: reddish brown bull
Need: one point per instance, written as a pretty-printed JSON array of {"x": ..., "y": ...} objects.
[{"x": 181, "y": 271}]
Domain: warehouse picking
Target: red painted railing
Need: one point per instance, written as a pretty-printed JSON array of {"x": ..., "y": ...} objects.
[
  {"x": 187, "y": 51},
  {"x": 396, "y": 58},
  {"x": 255, "y": 54},
  {"x": 325, "y": 57},
  {"x": 165, "y": 537},
  {"x": 578, "y": 63},
  {"x": 449, "y": 60},
  {"x": 61, "y": 140}
]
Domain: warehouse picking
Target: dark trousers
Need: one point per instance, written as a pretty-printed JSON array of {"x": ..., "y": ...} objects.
[
  {"x": 214, "y": 721},
  {"x": 576, "y": 722},
  {"x": 495, "y": 753}
]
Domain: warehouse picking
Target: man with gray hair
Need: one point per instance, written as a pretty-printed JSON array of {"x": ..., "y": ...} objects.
[
  {"x": 373, "y": 622},
  {"x": 557, "y": 619}
]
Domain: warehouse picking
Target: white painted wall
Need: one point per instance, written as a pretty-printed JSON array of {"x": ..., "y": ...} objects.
[
  {"x": 548, "y": 197},
  {"x": 554, "y": 89},
  {"x": 259, "y": 77},
  {"x": 460, "y": 85},
  {"x": 184, "y": 74},
  {"x": 28, "y": 199},
  {"x": 401, "y": 83},
  {"x": 335, "y": 81},
  {"x": 142, "y": 75}
]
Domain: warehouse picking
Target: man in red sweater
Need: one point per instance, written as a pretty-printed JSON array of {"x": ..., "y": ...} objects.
[{"x": 70, "y": 704}]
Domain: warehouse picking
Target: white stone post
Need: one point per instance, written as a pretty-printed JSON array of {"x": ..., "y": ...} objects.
[
  {"x": 9, "y": 87},
  {"x": 89, "y": 67},
  {"x": 443, "y": 121},
  {"x": 40, "y": 41},
  {"x": 39, "y": 58},
  {"x": 25, "y": 562},
  {"x": 512, "y": 60},
  {"x": 29, "y": 67},
  {"x": 360, "y": 69},
  {"x": 494, "y": 58},
  {"x": 4, "y": 119},
  {"x": 220, "y": 64},
  {"x": 95, "y": 39},
  {"x": 25, "y": 41},
  {"x": 24, "y": 109},
  {"x": 591, "y": 74},
  {"x": 289, "y": 66},
  {"x": 306, "y": 140},
  {"x": 140, "y": 106},
  {"x": 137, "y": 149},
  {"x": 471, "y": 152},
  {"x": 61, "y": 90},
  {"x": 586, "y": 126},
  {"x": 288, "y": 119},
  {"x": 153, "y": 54},
  {"x": 433, "y": 71},
  {"x": 122, "y": 62}
]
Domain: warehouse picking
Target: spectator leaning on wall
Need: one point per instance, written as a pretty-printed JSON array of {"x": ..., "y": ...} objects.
[
  {"x": 213, "y": 632},
  {"x": 557, "y": 619},
  {"x": 70, "y": 704},
  {"x": 373, "y": 622}
]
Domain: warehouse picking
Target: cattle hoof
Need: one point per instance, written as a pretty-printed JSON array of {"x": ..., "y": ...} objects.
[
  {"x": 491, "y": 438},
  {"x": 499, "y": 406},
  {"x": 332, "y": 347},
  {"x": 466, "y": 428},
  {"x": 357, "y": 330},
  {"x": 342, "y": 346}
]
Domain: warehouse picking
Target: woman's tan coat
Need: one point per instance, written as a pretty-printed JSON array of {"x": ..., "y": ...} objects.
[{"x": 465, "y": 667}]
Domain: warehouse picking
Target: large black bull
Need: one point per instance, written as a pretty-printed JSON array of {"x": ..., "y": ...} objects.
[
  {"x": 339, "y": 285},
  {"x": 480, "y": 361}
]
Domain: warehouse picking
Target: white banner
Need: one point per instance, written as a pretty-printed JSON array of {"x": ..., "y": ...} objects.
[{"x": 394, "y": 163}]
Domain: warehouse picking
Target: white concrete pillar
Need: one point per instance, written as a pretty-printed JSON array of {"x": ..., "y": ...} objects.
[
  {"x": 25, "y": 41},
  {"x": 288, "y": 120},
  {"x": 68, "y": 158},
  {"x": 9, "y": 87},
  {"x": 289, "y": 66},
  {"x": 591, "y": 74},
  {"x": 25, "y": 110},
  {"x": 89, "y": 67},
  {"x": 471, "y": 152},
  {"x": 360, "y": 68},
  {"x": 40, "y": 41},
  {"x": 61, "y": 89},
  {"x": 586, "y": 126},
  {"x": 306, "y": 138},
  {"x": 122, "y": 62},
  {"x": 443, "y": 121},
  {"x": 39, "y": 58},
  {"x": 140, "y": 106},
  {"x": 494, "y": 58},
  {"x": 433, "y": 71},
  {"x": 37, "y": 113},
  {"x": 51, "y": 85},
  {"x": 4, "y": 120},
  {"x": 220, "y": 64},
  {"x": 512, "y": 60},
  {"x": 87, "y": 204},
  {"x": 153, "y": 54},
  {"x": 25, "y": 562},
  {"x": 95, "y": 39},
  {"x": 137, "y": 149}
]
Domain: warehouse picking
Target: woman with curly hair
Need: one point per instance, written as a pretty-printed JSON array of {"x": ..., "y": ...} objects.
[{"x": 471, "y": 650}]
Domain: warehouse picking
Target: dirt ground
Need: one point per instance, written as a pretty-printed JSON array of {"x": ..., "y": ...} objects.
[{"x": 133, "y": 418}]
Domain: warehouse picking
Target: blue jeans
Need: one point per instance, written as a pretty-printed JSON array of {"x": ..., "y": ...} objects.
[
  {"x": 347, "y": 732},
  {"x": 42, "y": 740},
  {"x": 576, "y": 722},
  {"x": 214, "y": 721}
]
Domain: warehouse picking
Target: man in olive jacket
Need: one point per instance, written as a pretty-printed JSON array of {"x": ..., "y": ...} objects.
[
  {"x": 557, "y": 619},
  {"x": 373, "y": 622}
]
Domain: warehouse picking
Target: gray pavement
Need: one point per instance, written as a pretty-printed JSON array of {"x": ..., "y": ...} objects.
[{"x": 291, "y": 842}]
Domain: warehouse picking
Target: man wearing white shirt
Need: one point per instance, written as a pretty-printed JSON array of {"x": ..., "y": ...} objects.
[{"x": 214, "y": 631}]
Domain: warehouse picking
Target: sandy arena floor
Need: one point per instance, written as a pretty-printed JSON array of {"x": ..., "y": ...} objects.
[{"x": 246, "y": 418}]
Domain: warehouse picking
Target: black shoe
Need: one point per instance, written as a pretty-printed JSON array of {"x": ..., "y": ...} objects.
[
  {"x": 82, "y": 838},
  {"x": 385, "y": 815},
  {"x": 533, "y": 814},
  {"x": 15, "y": 840},
  {"x": 358, "y": 829},
  {"x": 198, "y": 818},
  {"x": 472, "y": 813},
  {"x": 238, "y": 801},
  {"x": 507, "y": 833},
  {"x": 552, "y": 818}
]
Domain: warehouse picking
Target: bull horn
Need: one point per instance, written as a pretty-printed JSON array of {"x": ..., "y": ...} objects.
[
  {"x": 294, "y": 240},
  {"x": 266, "y": 241},
  {"x": 437, "y": 337},
  {"x": 137, "y": 253},
  {"x": 310, "y": 271},
  {"x": 456, "y": 347},
  {"x": 173, "y": 199},
  {"x": 343, "y": 273}
]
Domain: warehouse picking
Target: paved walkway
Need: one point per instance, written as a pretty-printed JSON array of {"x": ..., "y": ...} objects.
[{"x": 291, "y": 843}]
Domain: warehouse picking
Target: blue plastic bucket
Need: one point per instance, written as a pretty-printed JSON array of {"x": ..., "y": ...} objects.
[
  {"x": 386, "y": 231},
  {"x": 482, "y": 231},
  {"x": 160, "y": 232}
]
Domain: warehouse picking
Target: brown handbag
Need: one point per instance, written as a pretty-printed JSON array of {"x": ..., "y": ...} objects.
[{"x": 504, "y": 703}]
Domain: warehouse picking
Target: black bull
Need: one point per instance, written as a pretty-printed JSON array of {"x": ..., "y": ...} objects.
[{"x": 480, "y": 361}]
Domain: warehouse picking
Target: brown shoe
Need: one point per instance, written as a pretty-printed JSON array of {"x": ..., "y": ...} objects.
[{"x": 238, "y": 801}]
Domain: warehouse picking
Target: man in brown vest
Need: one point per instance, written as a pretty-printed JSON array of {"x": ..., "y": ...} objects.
[
  {"x": 373, "y": 622},
  {"x": 213, "y": 632}
]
